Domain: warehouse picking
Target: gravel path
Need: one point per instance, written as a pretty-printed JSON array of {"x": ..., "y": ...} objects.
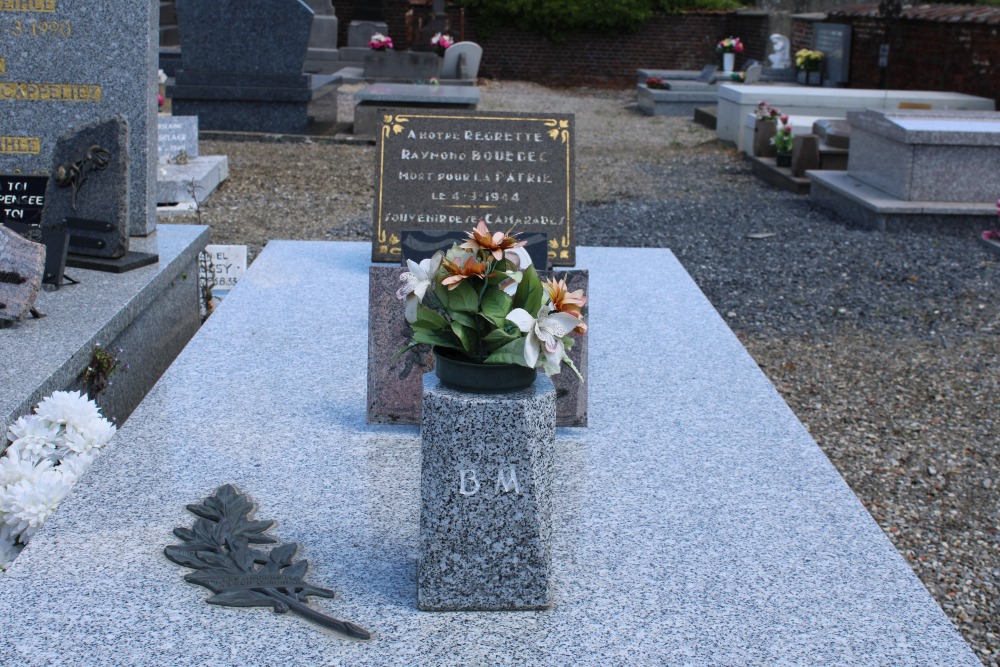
[{"x": 885, "y": 345}]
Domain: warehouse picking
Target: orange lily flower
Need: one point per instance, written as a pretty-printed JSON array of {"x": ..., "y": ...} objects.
[
  {"x": 564, "y": 301},
  {"x": 457, "y": 272},
  {"x": 481, "y": 239}
]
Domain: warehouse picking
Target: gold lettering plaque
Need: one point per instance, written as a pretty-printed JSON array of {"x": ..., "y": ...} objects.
[
  {"x": 3, "y": 65},
  {"x": 27, "y": 5},
  {"x": 49, "y": 92},
  {"x": 20, "y": 145}
]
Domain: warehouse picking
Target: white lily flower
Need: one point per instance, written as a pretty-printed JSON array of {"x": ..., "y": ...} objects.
[
  {"x": 521, "y": 260},
  {"x": 545, "y": 334},
  {"x": 416, "y": 281}
]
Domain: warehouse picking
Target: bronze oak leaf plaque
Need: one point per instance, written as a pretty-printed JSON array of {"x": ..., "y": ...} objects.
[{"x": 218, "y": 547}]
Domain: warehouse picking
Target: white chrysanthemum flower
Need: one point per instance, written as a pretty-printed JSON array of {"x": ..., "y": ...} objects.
[
  {"x": 76, "y": 465},
  {"x": 16, "y": 466},
  {"x": 27, "y": 505},
  {"x": 9, "y": 548},
  {"x": 68, "y": 408},
  {"x": 33, "y": 436}
]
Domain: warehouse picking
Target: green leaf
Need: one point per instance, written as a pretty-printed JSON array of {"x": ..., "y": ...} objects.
[
  {"x": 496, "y": 305},
  {"x": 464, "y": 319},
  {"x": 468, "y": 336},
  {"x": 463, "y": 298},
  {"x": 498, "y": 338},
  {"x": 429, "y": 319},
  {"x": 511, "y": 353},
  {"x": 529, "y": 292},
  {"x": 435, "y": 338}
]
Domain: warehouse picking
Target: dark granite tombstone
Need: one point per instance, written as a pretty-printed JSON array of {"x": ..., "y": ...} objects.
[
  {"x": 395, "y": 386},
  {"x": 22, "y": 263},
  {"x": 445, "y": 170},
  {"x": 87, "y": 194},
  {"x": 242, "y": 65},
  {"x": 834, "y": 40},
  {"x": 322, "y": 56},
  {"x": 805, "y": 154}
]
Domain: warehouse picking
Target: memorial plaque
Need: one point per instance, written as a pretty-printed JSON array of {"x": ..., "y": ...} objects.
[
  {"x": 175, "y": 134},
  {"x": 834, "y": 40},
  {"x": 22, "y": 198},
  {"x": 67, "y": 63},
  {"x": 21, "y": 265},
  {"x": 446, "y": 170}
]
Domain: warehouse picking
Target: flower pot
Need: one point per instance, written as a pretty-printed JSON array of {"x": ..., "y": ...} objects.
[
  {"x": 783, "y": 160},
  {"x": 810, "y": 78},
  {"x": 461, "y": 373},
  {"x": 728, "y": 62},
  {"x": 763, "y": 132}
]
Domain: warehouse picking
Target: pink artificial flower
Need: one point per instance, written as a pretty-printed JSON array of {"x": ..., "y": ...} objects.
[
  {"x": 784, "y": 119},
  {"x": 787, "y": 129}
]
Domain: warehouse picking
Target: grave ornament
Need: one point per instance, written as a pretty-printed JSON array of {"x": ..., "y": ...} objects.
[
  {"x": 781, "y": 58},
  {"x": 22, "y": 263},
  {"x": 87, "y": 196},
  {"x": 218, "y": 548}
]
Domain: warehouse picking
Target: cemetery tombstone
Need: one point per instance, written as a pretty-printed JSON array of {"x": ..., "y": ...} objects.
[
  {"x": 444, "y": 170},
  {"x": 834, "y": 41},
  {"x": 175, "y": 134},
  {"x": 64, "y": 64},
  {"x": 461, "y": 61},
  {"x": 322, "y": 56}
]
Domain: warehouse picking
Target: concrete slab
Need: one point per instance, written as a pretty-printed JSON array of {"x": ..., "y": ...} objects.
[
  {"x": 402, "y": 95},
  {"x": 680, "y": 102},
  {"x": 695, "y": 521},
  {"x": 194, "y": 180}
]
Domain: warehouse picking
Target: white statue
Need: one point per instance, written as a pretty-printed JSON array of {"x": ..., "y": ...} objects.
[{"x": 781, "y": 58}]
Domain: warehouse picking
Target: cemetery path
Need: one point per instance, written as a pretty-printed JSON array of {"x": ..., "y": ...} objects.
[{"x": 884, "y": 344}]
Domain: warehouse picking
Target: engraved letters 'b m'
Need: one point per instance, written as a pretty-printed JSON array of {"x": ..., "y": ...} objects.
[{"x": 468, "y": 476}]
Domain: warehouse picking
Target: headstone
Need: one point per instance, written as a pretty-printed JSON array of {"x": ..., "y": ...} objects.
[
  {"x": 359, "y": 33},
  {"x": 834, "y": 40},
  {"x": 440, "y": 169},
  {"x": 394, "y": 385},
  {"x": 835, "y": 132},
  {"x": 66, "y": 64},
  {"x": 486, "y": 501},
  {"x": 242, "y": 65},
  {"x": 401, "y": 65},
  {"x": 322, "y": 57},
  {"x": 472, "y": 54},
  {"x": 22, "y": 263},
  {"x": 805, "y": 154},
  {"x": 227, "y": 264},
  {"x": 176, "y": 134},
  {"x": 87, "y": 193},
  {"x": 752, "y": 74},
  {"x": 708, "y": 73}
]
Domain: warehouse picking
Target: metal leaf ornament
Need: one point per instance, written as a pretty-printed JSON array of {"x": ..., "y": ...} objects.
[{"x": 218, "y": 547}]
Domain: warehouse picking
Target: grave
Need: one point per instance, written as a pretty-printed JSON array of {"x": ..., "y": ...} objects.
[
  {"x": 66, "y": 64},
  {"x": 322, "y": 56},
  {"x": 834, "y": 41},
  {"x": 461, "y": 62},
  {"x": 685, "y": 95},
  {"x": 242, "y": 66},
  {"x": 396, "y": 97},
  {"x": 183, "y": 175},
  {"x": 895, "y": 166},
  {"x": 150, "y": 313},
  {"x": 694, "y": 522},
  {"x": 807, "y": 104}
]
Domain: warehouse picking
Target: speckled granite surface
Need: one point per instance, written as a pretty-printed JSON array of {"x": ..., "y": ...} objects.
[{"x": 695, "y": 521}]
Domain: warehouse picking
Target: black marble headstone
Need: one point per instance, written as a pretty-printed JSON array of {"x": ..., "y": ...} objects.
[
  {"x": 87, "y": 194},
  {"x": 834, "y": 40},
  {"x": 439, "y": 169}
]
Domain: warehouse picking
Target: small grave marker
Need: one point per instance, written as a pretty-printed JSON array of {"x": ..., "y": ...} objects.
[
  {"x": 446, "y": 170},
  {"x": 227, "y": 263},
  {"x": 176, "y": 134}
]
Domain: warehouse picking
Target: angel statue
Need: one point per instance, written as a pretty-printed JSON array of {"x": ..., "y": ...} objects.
[{"x": 781, "y": 58}]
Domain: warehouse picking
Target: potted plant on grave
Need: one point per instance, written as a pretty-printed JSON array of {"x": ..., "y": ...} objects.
[
  {"x": 783, "y": 142},
  {"x": 765, "y": 127},
  {"x": 490, "y": 318},
  {"x": 729, "y": 47},
  {"x": 809, "y": 64},
  {"x": 441, "y": 43},
  {"x": 380, "y": 42}
]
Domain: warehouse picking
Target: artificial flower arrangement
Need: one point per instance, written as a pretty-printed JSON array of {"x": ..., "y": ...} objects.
[
  {"x": 993, "y": 234},
  {"x": 808, "y": 60},
  {"x": 729, "y": 45},
  {"x": 49, "y": 451},
  {"x": 765, "y": 111},
  {"x": 380, "y": 42},
  {"x": 657, "y": 83},
  {"x": 441, "y": 43},
  {"x": 484, "y": 300},
  {"x": 782, "y": 139}
]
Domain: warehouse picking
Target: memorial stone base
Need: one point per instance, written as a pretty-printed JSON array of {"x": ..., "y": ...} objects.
[{"x": 485, "y": 517}]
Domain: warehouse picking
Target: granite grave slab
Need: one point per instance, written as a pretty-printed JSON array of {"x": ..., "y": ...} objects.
[
  {"x": 440, "y": 169},
  {"x": 66, "y": 64},
  {"x": 182, "y": 174},
  {"x": 406, "y": 96},
  {"x": 22, "y": 266},
  {"x": 694, "y": 522}
]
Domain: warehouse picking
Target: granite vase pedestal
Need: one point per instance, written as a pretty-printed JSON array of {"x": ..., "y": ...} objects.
[{"x": 485, "y": 515}]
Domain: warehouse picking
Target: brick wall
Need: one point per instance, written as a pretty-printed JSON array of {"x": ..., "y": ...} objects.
[
  {"x": 931, "y": 47},
  {"x": 668, "y": 41}
]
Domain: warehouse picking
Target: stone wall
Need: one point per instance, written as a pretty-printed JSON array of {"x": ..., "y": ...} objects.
[
  {"x": 932, "y": 47},
  {"x": 668, "y": 41}
]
